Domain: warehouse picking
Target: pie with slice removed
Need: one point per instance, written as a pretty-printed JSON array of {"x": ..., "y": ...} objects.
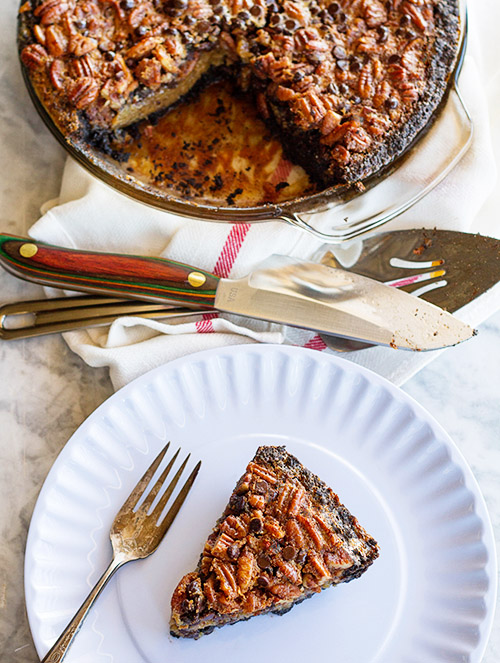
[
  {"x": 346, "y": 85},
  {"x": 283, "y": 537}
]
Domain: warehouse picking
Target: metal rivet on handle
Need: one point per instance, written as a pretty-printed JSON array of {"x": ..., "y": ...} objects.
[
  {"x": 28, "y": 250},
  {"x": 196, "y": 279}
]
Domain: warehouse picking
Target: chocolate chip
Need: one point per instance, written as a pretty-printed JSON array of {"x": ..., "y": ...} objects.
[
  {"x": 394, "y": 58},
  {"x": 289, "y": 553},
  {"x": 261, "y": 487},
  {"x": 203, "y": 26},
  {"x": 238, "y": 503},
  {"x": 339, "y": 53},
  {"x": 141, "y": 31},
  {"x": 80, "y": 25},
  {"x": 243, "y": 16},
  {"x": 356, "y": 65},
  {"x": 332, "y": 88},
  {"x": 262, "y": 581},
  {"x": 392, "y": 103},
  {"x": 109, "y": 56},
  {"x": 343, "y": 88},
  {"x": 127, "y": 4},
  {"x": 255, "y": 525},
  {"x": 291, "y": 24},
  {"x": 233, "y": 552},
  {"x": 383, "y": 33},
  {"x": 256, "y": 11},
  {"x": 275, "y": 19},
  {"x": 264, "y": 561},
  {"x": 410, "y": 34},
  {"x": 405, "y": 20},
  {"x": 343, "y": 65},
  {"x": 333, "y": 8},
  {"x": 301, "y": 557}
]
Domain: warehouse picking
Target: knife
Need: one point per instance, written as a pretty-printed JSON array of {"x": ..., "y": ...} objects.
[{"x": 285, "y": 291}]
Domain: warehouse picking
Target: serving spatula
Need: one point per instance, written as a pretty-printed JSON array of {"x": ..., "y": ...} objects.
[
  {"x": 298, "y": 293},
  {"x": 446, "y": 267}
]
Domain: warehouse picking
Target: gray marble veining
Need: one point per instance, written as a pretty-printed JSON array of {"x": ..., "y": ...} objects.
[{"x": 46, "y": 391}]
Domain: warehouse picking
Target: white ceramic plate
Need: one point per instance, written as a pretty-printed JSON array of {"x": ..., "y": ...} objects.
[{"x": 428, "y": 598}]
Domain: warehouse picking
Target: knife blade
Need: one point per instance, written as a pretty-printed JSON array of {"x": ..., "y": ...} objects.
[{"x": 285, "y": 291}]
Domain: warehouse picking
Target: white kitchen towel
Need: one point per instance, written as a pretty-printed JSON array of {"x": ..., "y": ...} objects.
[{"x": 89, "y": 215}]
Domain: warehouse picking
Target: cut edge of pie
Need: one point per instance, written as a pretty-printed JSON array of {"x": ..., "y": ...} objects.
[{"x": 283, "y": 537}]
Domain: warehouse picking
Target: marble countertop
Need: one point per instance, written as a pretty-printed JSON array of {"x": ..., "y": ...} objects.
[{"x": 46, "y": 391}]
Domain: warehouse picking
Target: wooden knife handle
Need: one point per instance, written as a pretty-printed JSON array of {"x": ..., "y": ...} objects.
[{"x": 138, "y": 277}]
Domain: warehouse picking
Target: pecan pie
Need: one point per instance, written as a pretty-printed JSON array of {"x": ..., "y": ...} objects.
[
  {"x": 283, "y": 537},
  {"x": 347, "y": 85}
]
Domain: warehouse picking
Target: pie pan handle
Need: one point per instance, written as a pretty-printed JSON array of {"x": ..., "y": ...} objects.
[{"x": 423, "y": 169}]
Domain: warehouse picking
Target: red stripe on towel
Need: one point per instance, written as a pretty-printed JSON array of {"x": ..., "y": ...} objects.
[
  {"x": 231, "y": 249},
  {"x": 315, "y": 343}
]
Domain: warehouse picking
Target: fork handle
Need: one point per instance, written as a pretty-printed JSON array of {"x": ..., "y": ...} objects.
[{"x": 62, "y": 644}]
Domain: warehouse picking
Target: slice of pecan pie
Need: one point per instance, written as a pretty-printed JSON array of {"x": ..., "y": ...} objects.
[
  {"x": 347, "y": 84},
  {"x": 283, "y": 537}
]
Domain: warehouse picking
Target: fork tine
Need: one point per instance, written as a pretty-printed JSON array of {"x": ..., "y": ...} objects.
[
  {"x": 139, "y": 489},
  {"x": 179, "y": 500},
  {"x": 156, "y": 513},
  {"x": 156, "y": 488}
]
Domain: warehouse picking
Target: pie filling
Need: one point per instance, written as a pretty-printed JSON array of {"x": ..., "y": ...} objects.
[
  {"x": 283, "y": 537},
  {"x": 346, "y": 85}
]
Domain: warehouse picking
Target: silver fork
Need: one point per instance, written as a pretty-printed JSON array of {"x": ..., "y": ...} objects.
[
  {"x": 135, "y": 533},
  {"x": 37, "y": 317}
]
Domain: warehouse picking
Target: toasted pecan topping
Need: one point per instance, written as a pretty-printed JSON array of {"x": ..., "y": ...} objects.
[{"x": 315, "y": 64}]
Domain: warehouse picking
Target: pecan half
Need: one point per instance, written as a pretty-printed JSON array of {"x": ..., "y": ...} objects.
[
  {"x": 34, "y": 56},
  {"x": 374, "y": 13},
  {"x": 58, "y": 74},
  {"x": 80, "y": 45},
  {"x": 50, "y": 11},
  {"x": 247, "y": 570},
  {"x": 56, "y": 41},
  {"x": 83, "y": 92}
]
